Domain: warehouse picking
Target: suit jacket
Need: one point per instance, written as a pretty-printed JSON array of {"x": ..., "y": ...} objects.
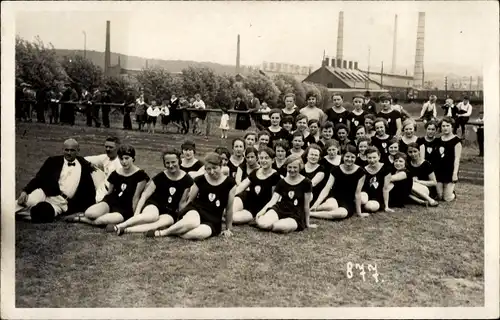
[
  {"x": 254, "y": 104},
  {"x": 47, "y": 179}
]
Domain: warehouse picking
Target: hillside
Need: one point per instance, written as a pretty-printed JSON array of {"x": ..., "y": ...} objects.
[{"x": 133, "y": 62}]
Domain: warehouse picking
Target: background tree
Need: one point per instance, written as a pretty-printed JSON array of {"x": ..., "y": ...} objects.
[
  {"x": 156, "y": 82},
  {"x": 322, "y": 93},
  {"x": 37, "y": 64},
  {"x": 263, "y": 88},
  {"x": 118, "y": 87},
  {"x": 82, "y": 71},
  {"x": 203, "y": 81},
  {"x": 288, "y": 84}
]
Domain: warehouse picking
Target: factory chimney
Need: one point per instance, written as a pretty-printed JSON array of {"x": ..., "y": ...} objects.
[
  {"x": 107, "y": 52},
  {"x": 340, "y": 37},
  {"x": 238, "y": 55},
  {"x": 394, "y": 45},
  {"x": 418, "y": 73}
]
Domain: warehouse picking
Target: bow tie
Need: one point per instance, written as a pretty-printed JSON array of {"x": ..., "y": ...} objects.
[{"x": 71, "y": 164}]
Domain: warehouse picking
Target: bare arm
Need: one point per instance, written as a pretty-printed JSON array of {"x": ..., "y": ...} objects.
[
  {"x": 150, "y": 189},
  {"x": 271, "y": 203},
  {"x": 193, "y": 192},
  {"x": 357, "y": 195},
  {"x": 398, "y": 126},
  {"x": 229, "y": 209},
  {"x": 239, "y": 174},
  {"x": 456, "y": 164},
  {"x": 398, "y": 176},
  {"x": 138, "y": 191},
  {"x": 422, "y": 112},
  {"x": 318, "y": 178},
  {"x": 184, "y": 197},
  {"x": 242, "y": 186},
  {"x": 428, "y": 183},
  {"x": 307, "y": 210},
  {"x": 422, "y": 151},
  {"x": 324, "y": 193},
  {"x": 385, "y": 190}
]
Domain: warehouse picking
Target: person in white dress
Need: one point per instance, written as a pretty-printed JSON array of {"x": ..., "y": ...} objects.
[
  {"x": 224, "y": 124},
  {"x": 106, "y": 164}
]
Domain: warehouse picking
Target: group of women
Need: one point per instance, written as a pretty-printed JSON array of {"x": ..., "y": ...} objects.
[{"x": 280, "y": 178}]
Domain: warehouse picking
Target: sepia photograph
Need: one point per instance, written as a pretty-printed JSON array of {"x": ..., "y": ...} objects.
[{"x": 250, "y": 159}]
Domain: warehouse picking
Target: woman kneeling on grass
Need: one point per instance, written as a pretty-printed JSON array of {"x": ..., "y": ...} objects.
[
  {"x": 377, "y": 182},
  {"x": 288, "y": 209},
  {"x": 125, "y": 187},
  {"x": 210, "y": 194},
  {"x": 424, "y": 179},
  {"x": 342, "y": 191},
  {"x": 260, "y": 183},
  {"x": 160, "y": 200}
]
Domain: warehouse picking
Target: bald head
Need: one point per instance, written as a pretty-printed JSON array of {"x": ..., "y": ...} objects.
[{"x": 71, "y": 149}]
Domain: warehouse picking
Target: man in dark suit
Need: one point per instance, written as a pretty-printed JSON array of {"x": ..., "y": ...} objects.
[
  {"x": 254, "y": 106},
  {"x": 369, "y": 106},
  {"x": 63, "y": 185}
]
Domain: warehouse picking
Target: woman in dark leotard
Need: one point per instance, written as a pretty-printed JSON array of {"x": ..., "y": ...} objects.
[
  {"x": 281, "y": 152},
  {"x": 211, "y": 194},
  {"x": 313, "y": 170},
  {"x": 189, "y": 163},
  {"x": 424, "y": 179},
  {"x": 159, "y": 204},
  {"x": 332, "y": 158},
  {"x": 276, "y": 131},
  {"x": 248, "y": 166},
  {"x": 429, "y": 144},
  {"x": 447, "y": 161},
  {"x": 362, "y": 146},
  {"x": 377, "y": 181},
  {"x": 392, "y": 148},
  {"x": 125, "y": 188},
  {"x": 342, "y": 191},
  {"x": 288, "y": 209},
  {"x": 260, "y": 185},
  {"x": 381, "y": 139},
  {"x": 409, "y": 127},
  {"x": 237, "y": 158},
  {"x": 401, "y": 182}
]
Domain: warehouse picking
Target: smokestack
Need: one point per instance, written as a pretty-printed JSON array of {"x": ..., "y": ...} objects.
[
  {"x": 355, "y": 65},
  {"x": 418, "y": 73},
  {"x": 238, "y": 55},
  {"x": 326, "y": 62},
  {"x": 393, "y": 66},
  {"x": 107, "y": 53},
  {"x": 344, "y": 64},
  {"x": 350, "y": 64},
  {"x": 340, "y": 36}
]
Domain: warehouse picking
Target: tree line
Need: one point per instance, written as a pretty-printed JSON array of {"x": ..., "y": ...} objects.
[{"x": 38, "y": 65}]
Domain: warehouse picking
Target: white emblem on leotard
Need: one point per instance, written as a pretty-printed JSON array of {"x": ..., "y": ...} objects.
[
  {"x": 384, "y": 145},
  {"x": 389, "y": 120},
  {"x": 356, "y": 122},
  {"x": 291, "y": 194},
  {"x": 172, "y": 190},
  {"x": 295, "y": 202},
  {"x": 441, "y": 151},
  {"x": 340, "y": 119},
  {"x": 169, "y": 199},
  {"x": 374, "y": 182},
  {"x": 123, "y": 187},
  {"x": 217, "y": 203},
  {"x": 257, "y": 189},
  {"x": 429, "y": 149},
  {"x": 211, "y": 197}
]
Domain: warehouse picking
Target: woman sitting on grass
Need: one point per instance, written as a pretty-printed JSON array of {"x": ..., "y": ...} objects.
[
  {"x": 288, "y": 209},
  {"x": 189, "y": 163},
  {"x": 342, "y": 191},
  {"x": 125, "y": 188},
  {"x": 377, "y": 182},
  {"x": 424, "y": 179},
  {"x": 210, "y": 195},
  {"x": 158, "y": 206},
  {"x": 260, "y": 184},
  {"x": 401, "y": 182},
  {"x": 332, "y": 158},
  {"x": 313, "y": 170},
  {"x": 281, "y": 152}
]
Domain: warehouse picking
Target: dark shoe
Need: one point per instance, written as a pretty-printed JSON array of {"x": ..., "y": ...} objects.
[
  {"x": 111, "y": 228},
  {"x": 150, "y": 234}
]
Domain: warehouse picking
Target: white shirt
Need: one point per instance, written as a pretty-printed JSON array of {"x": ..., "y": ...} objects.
[
  {"x": 466, "y": 107},
  {"x": 428, "y": 106},
  {"x": 312, "y": 113},
  {"x": 199, "y": 104},
  {"x": 105, "y": 163},
  {"x": 70, "y": 178}
]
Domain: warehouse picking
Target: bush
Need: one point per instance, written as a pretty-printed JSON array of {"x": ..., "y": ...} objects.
[
  {"x": 118, "y": 88},
  {"x": 82, "y": 71},
  {"x": 263, "y": 88},
  {"x": 203, "y": 81},
  {"x": 288, "y": 84},
  {"x": 157, "y": 83},
  {"x": 37, "y": 64}
]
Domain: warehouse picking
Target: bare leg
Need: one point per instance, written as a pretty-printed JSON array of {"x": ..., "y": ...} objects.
[
  {"x": 286, "y": 225},
  {"x": 163, "y": 221},
  {"x": 338, "y": 213},
  {"x": 267, "y": 220},
  {"x": 201, "y": 232},
  {"x": 108, "y": 218},
  {"x": 449, "y": 192},
  {"x": 149, "y": 214},
  {"x": 372, "y": 206},
  {"x": 190, "y": 221}
]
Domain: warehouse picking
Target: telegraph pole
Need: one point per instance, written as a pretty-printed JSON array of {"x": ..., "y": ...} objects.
[{"x": 446, "y": 87}]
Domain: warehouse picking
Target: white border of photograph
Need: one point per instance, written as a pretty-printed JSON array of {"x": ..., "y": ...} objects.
[{"x": 491, "y": 178}]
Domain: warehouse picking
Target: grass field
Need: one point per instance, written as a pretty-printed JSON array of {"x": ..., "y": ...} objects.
[{"x": 425, "y": 257}]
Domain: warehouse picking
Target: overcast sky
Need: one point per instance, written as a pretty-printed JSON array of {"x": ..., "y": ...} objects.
[{"x": 288, "y": 32}]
